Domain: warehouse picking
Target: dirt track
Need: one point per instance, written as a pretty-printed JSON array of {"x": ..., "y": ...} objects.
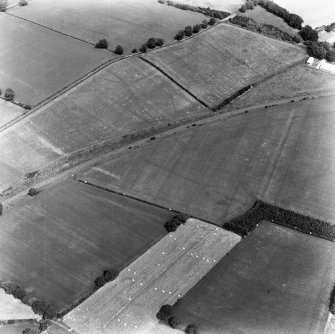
[{"x": 160, "y": 276}]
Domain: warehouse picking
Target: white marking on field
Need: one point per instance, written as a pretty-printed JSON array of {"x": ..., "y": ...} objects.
[
  {"x": 47, "y": 144},
  {"x": 106, "y": 172}
]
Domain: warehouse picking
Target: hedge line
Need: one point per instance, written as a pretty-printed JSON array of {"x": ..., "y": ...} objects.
[{"x": 244, "y": 224}]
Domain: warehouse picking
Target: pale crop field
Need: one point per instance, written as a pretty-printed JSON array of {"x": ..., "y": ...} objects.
[
  {"x": 276, "y": 280},
  {"x": 219, "y": 62},
  {"x": 282, "y": 155},
  {"x": 37, "y": 62},
  {"x": 9, "y": 112},
  {"x": 129, "y": 23},
  {"x": 56, "y": 243},
  {"x": 163, "y": 274}
]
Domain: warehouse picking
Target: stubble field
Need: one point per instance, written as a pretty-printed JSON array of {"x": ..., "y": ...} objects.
[
  {"x": 275, "y": 281},
  {"x": 128, "y": 23},
  {"x": 160, "y": 276},
  {"x": 219, "y": 62},
  {"x": 36, "y": 62},
  {"x": 58, "y": 242},
  {"x": 283, "y": 155}
]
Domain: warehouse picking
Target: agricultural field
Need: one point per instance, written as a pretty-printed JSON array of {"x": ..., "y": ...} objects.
[
  {"x": 282, "y": 155},
  {"x": 125, "y": 97},
  {"x": 128, "y": 23},
  {"x": 260, "y": 15},
  {"x": 275, "y": 281},
  {"x": 8, "y": 112},
  {"x": 226, "y": 5},
  {"x": 56, "y": 243},
  {"x": 219, "y": 62},
  {"x": 37, "y": 62},
  {"x": 297, "y": 81},
  {"x": 163, "y": 274},
  {"x": 18, "y": 328},
  {"x": 14, "y": 309}
]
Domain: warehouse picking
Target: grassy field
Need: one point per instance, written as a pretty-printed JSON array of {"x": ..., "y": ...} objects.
[
  {"x": 275, "y": 281},
  {"x": 260, "y": 15},
  {"x": 18, "y": 328},
  {"x": 125, "y": 97},
  {"x": 160, "y": 276},
  {"x": 283, "y": 155},
  {"x": 128, "y": 23},
  {"x": 58, "y": 242},
  {"x": 298, "y": 80},
  {"x": 219, "y": 62},
  {"x": 8, "y": 112},
  {"x": 226, "y": 5},
  {"x": 37, "y": 62},
  {"x": 14, "y": 309}
]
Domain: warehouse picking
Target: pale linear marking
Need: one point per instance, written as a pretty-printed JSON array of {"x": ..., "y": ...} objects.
[
  {"x": 103, "y": 171},
  {"x": 47, "y": 144}
]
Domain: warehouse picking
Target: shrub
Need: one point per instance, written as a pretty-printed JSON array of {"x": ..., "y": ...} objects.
[
  {"x": 0, "y": 92},
  {"x": 212, "y": 21},
  {"x": 119, "y": 50},
  {"x": 110, "y": 274},
  {"x": 151, "y": 43},
  {"x": 27, "y": 107},
  {"x": 180, "y": 35},
  {"x": 174, "y": 322},
  {"x": 3, "y": 5},
  {"x": 102, "y": 44},
  {"x": 196, "y": 28},
  {"x": 204, "y": 24},
  {"x": 1, "y": 208},
  {"x": 172, "y": 224},
  {"x": 296, "y": 39},
  {"x": 161, "y": 1},
  {"x": 159, "y": 41},
  {"x": 191, "y": 329},
  {"x": 134, "y": 51},
  {"x": 309, "y": 34},
  {"x": 332, "y": 301},
  {"x": 243, "y": 8},
  {"x": 143, "y": 48},
  {"x": 33, "y": 191},
  {"x": 188, "y": 31},
  {"x": 43, "y": 325},
  {"x": 9, "y": 94},
  {"x": 29, "y": 331},
  {"x": 165, "y": 312},
  {"x": 316, "y": 49},
  {"x": 330, "y": 56},
  {"x": 23, "y": 3},
  {"x": 99, "y": 282}
]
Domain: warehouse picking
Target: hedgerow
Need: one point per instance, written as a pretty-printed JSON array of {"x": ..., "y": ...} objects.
[
  {"x": 261, "y": 211},
  {"x": 332, "y": 301}
]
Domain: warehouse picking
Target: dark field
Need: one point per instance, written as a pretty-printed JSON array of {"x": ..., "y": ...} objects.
[
  {"x": 282, "y": 155},
  {"x": 36, "y": 62},
  {"x": 219, "y": 62},
  {"x": 57, "y": 243},
  {"x": 275, "y": 281}
]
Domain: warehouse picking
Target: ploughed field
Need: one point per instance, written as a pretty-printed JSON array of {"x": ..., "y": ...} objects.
[
  {"x": 219, "y": 62},
  {"x": 282, "y": 155},
  {"x": 128, "y": 23},
  {"x": 57, "y": 243},
  {"x": 125, "y": 97},
  {"x": 163, "y": 274},
  {"x": 14, "y": 309},
  {"x": 277, "y": 280},
  {"x": 37, "y": 62},
  {"x": 297, "y": 81}
]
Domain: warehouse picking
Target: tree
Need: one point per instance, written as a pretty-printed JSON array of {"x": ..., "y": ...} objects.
[
  {"x": 159, "y": 41},
  {"x": 102, "y": 44},
  {"x": 243, "y": 9},
  {"x": 99, "y": 282},
  {"x": 188, "y": 31},
  {"x": 180, "y": 35},
  {"x": 296, "y": 39},
  {"x": 309, "y": 34},
  {"x": 295, "y": 21},
  {"x": 191, "y": 329},
  {"x": 118, "y": 50},
  {"x": 33, "y": 191},
  {"x": 174, "y": 322},
  {"x": 151, "y": 43},
  {"x": 27, "y": 107},
  {"x": 110, "y": 274},
  {"x": 204, "y": 24},
  {"x": 330, "y": 56},
  {"x": 165, "y": 312},
  {"x": 1, "y": 209},
  {"x": 212, "y": 21},
  {"x": 316, "y": 50},
  {"x": 143, "y": 48},
  {"x": 3, "y": 5},
  {"x": 43, "y": 325},
  {"x": 9, "y": 94},
  {"x": 196, "y": 28},
  {"x": 134, "y": 51},
  {"x": 23, "y": 3}
]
